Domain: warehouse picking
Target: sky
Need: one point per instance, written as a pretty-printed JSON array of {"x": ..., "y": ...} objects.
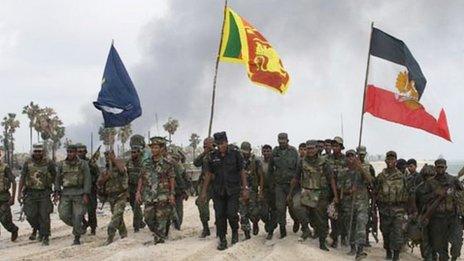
[{"x": 54, "y": 52}]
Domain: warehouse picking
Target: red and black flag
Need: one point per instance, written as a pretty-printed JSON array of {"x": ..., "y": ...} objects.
[{"x": 396, "y": 87}]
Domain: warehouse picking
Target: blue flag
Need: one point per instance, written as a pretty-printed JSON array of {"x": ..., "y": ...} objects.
[{"x": 118, "y": 100}]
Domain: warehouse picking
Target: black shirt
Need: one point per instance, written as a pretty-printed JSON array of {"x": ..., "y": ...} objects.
[{"x": 226, "y": 170}]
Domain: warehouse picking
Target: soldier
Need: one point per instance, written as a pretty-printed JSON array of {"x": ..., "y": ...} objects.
[
  {"x": 327, "y": 147},
  {"x": 226, "y": 164},
  {"x": 444, "y": 222},
  {"x": 392, "y": 197},
  {"x": 72, "y": 189},
  {"x": 7, "y": 181},
  {"x": 156, "y": 189},
  {"x": 320, "y": 147},
  {"x": 250, "y": 210},
  {"x": 203, "y": 209},
  {"x": 401, "y": 165},
  {"x": 181, "y": 186},
  {"x": 94, "y": 173},
  {"x": 337, "y": 161},
  {"x": 317, "y": 184},
  {"x": 353, "y": 185},
  {"x": 268, "y": 210},
  {"x": 113, "y": 183},
  {"x": 35, "y": 187},
  {"x": 134, "y": 169},
  {"x": 372, "y": 223},
  {"x": 282, "y": 168}
]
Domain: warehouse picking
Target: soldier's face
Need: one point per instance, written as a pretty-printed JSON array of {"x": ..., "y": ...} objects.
[
  {"x": 135, "y": 154},
  {"x": 328, "y": 147},
  {"x": 440, "y": 169},
  {"x": 208, "y": 144},
  {"x": 267, "y": 153},
  {"x": 282, "y": 142},
  {"x": 362, "y": 157},
  {"x": 37, "y": 154},
  {"x": 391, "y": 162},
  {"x": 302, "y": 151},
  {"x": 350, "y": 158},
  {"x": 223, "y": 146},
  {"x": 412, "y": 168},
  {"x": 336, "y": 148},
  {"x": 311, "y": 151},
  {"x": 156, "y": 150},
  {"x": 71, "y": 154},
  {"x": 246, "y": 153},
  {"x": 81, "y": 153}
]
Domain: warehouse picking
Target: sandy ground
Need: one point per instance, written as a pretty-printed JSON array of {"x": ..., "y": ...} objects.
[{"x": 182, "y": 245}]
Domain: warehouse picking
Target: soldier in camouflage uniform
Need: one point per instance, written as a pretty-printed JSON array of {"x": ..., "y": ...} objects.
[
  {"x": 134, "y": 169},
  {"x": 337, "y": 161},
  {"x": 392, "y": 194},
  {"x": 327, "y": 147},
  {"x": 177, "y": 158},
  {"x": 362, "y": 152},
  {"x": 114, "y": 185},
  {"x": 35, "y": 187},
  {"x": 7, "y": 181},
  {"x": 268, "y": 210},
  {"x": 282, "y": 168},
  {"x": 92, "y": 205},
  {"x": 251, "y": 210},
  {"x": 72, "y": 189},
  {"x": 317, "y": 184},
  {"x": 156, "y": 190},
  {"x": 445, "y": 224},
  {"x": 203, "y": 209},
  {"x": 353, "y": 184}
]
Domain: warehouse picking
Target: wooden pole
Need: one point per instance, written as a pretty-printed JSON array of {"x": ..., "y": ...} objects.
[
  {"x": 365, "y": 85},
  {"x": 216, "y": 72}
]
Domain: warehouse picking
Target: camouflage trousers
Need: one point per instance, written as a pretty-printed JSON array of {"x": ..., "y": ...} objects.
[
  {"x": 137, "y": 220},
  {"x": 268, "y": 211},
  {"x": 117, "y": 205},
  {"x": 6, "y": 218},
  {"x": 38, "y": 207},
  {"x": 445, "y": 229},
  {"x": 92, "y": 210},
  {"x": 300, "y": 211},
  {"x": 157, "y": 216},
  {"x": 249, "y": 211},
  {"x": 358, "y": 217},
  {"x": 71, "y": 211},
  {"x": 316, "y": 216},
  {"x": 203, "y": 209},
  {"x": 391, "y": 225}
]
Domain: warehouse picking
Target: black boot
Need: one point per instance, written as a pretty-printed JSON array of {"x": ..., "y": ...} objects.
[
  {"x": 283, "y": 232},
  {"x": 109, "y": 240},
  {"x": 45, "y": 241},
  {"x": 344, "y": 242},
  {"x": 270, "y": 234},
  {"x": 388, "y": 255},
  {"x": 296, "y": 226},
  {"x": 247, "y": 234},
  {"x": 255, "y": 228},
  {"x": 93, "y": 231},
  {"x": 305, "y": 232},
  {"x": 33, "y": 235},
  {"x": 234, "y": 236},
  {"x": 352, "y": 250},
  {"x": 205, "y": 231},
  {"x": 222, "y": 244},
  {"x": 322, "y": 244},
  {"x": 396, "y": 255},
  {"x": 14, "y": 235},
  {"x": 360, "y": 254},
  {"x": 77, "y": 240}
]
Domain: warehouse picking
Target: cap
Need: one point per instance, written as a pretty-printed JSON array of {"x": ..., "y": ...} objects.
[
  {"x": 440, "y": 162},
  {"x": 158, "y": 140},
  {"x": 350, "y": 152},
  {"x": 391, "y": 153},
  {"x": 311, "y": 143},
  {"x": 282, "y": 136},
  {"x": 361, "y": 150},
  {"x": 38, "y": 147},
  {"x": 80, "y": 146},
  {"x": 338, "y": 140},
  {"x": 412, "y": 161},
  {"x": 220, "y": 137},
  {"x": 71, "y": 147},
  {"x": 245, "y": 146},
  {"x": 137, "y": 141}
]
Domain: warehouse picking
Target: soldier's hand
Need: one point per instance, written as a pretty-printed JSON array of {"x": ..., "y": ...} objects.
[
  {"x": 56, "y": 198},
  {"x": 85, "y": 199}
]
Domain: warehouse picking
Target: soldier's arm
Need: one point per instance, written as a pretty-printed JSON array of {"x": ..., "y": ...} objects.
[
  {"x": 372, "y": 171},
  {"x": 198, "y": 161},
  {"x": 333, "y": 185},
  {"x": 87, "y": 178},
  {"x": 11, "y": 178},
  {"x": 260, "y": 172},
  {"x": 52, "y": 169},
  {"x": 57, "y": 183},
  {"x": 296, "y": 179},
  {"x": 21, "y": 180},
  {"x": 241, "y": 169}
]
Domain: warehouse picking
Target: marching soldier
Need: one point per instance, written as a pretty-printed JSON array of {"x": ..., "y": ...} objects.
[
  {"x": 72, "y": 189},
  {"x": 7, "y": 181},
  {"x": 35, "y": 187},
  {"x": 134, "y": 169},
  {"x": 268, "y": 210}
]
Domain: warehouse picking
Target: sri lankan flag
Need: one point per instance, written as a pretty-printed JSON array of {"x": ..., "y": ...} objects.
[{"x": 242, "y": 43}]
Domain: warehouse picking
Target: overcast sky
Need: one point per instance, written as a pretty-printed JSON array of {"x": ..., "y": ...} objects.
[{"x": 54, "y": 52}]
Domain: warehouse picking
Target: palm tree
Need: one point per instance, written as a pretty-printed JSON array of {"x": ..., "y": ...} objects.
[
  {"x": 194, "y": 141},
  {"x": 123, "y": 135},
  {"x": 50, "y": 127},
  {"x": 10, "y": 124},
  {"x": 32, "y": 111},
  {"x": 107, "y": 136},
  {"x": 171, "y": 126}
]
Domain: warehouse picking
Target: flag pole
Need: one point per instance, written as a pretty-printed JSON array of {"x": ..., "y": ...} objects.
[
  {"x": 216, "y": 72},
  {"x": 365, "y": 85}
]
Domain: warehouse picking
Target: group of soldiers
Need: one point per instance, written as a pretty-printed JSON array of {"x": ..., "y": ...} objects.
[{"x": 321, "y": 186}]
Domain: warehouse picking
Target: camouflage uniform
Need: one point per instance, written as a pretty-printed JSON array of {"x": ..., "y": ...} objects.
[
  {"x": 338, "y": 165},
  {"x": 134, "y": 168},
  {"x": 6, "y": 178},
  {"x": 390, "y": 187},
  {"x": 268, "y": 209},
  {"x": 251, "y": 210},
  {"x": 180, "y": 192},
  {"x": 38, "y": 178},
  {"x": 282, "y": 168},
  {"x": 203, "y": 209},
  {"x": 445, "y": 223},
  {"x": 72, "y": 181},
  {"x": 156, "y": 175}
]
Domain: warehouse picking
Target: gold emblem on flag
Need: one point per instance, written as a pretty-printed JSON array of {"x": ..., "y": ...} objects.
[{"x": 407, "y": 90}]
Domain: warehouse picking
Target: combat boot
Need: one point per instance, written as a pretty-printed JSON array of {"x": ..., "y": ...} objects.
[
  {"x": 222, "y": 244},
  {"x": 283, "y": 232},
  {"x": 255, "y": 228},
  {"x": 205, "y": 231},
  {"x": 305, "y": 232},
  {"x": 396, "y": 255},
  {"x": 352, "y": 250},
  {"x": 334, "y": 243},
  {"x": 247, "y": 234},
  {"x": 453, "y": 258},
  {"x": 45, "y": 241},
  {"x": 76, "y": 241},
  {"x": 270, "y": 234},
  {"x": 109, "y": 240},
  {"x": 344, "y": 242},
  {"x": 234, "y": 236},
  {"x": 296, "y": 226},
  {"x": 40, "y": 237},
  {"x": 388, "y": 255},
  {"x": 157, "y": 239},
  {"x": 33, "y": 235},
  {"x": 322, "y": 244},
  {"x": 14, "y": 235},
  {"x": 360, "y": 254}
]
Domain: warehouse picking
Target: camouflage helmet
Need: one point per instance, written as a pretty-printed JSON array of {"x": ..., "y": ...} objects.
[
  {"x": 137, "y": 141},
  {"x": 338, "y": 140},
  {"x": 361, "y": 150},
  {"x": 245, "y": 146}
]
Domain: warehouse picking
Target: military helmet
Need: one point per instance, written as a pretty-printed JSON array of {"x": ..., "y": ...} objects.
[
  {"x": 361, "y": 150},
  {"x": 391, "y": 153},
  {"x": 158, "y": 141},
  {"x": 81, "y": 146},
  {"x": 38, "y": 147},
  {"x": 440, "y": 162},
  {"x": 71, "y": 147},
  {"x": 338, "y": 140},
  {"x": 350, "y": 152},
  {"x": 137, "y": 141},
  {"x": 245, "y": 146}
]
